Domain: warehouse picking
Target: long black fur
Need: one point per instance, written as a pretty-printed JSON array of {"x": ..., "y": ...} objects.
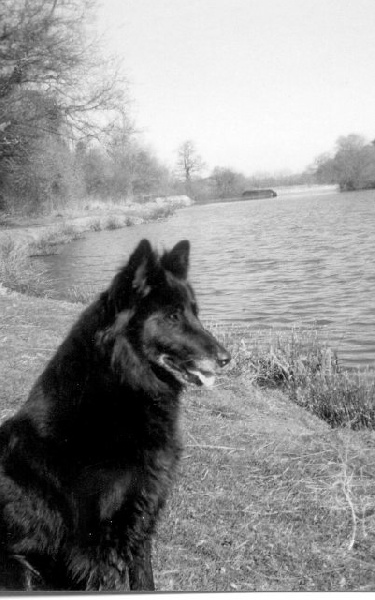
[{"x": 87, "y": 462}]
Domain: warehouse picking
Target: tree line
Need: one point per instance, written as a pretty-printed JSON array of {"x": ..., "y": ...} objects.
[
  {"x": 65, "y": 124},
  {"x": 226, "y": 182},
  {"x": 351, "y": 165}
]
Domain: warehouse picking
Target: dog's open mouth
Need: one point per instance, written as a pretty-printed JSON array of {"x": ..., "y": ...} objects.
[{"x": 199, "y": 372}]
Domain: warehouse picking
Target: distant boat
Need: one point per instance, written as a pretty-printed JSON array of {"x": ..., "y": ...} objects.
[{"x": 259, "y": 193}]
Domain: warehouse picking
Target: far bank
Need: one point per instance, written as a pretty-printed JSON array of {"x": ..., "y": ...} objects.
[{"x": 61, "y": 226}]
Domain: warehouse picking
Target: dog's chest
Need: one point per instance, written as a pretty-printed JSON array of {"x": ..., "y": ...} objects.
[{"x": 110, "y": 502}]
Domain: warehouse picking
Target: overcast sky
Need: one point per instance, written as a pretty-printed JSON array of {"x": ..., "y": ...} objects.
[{"x": 259, "y": 85}]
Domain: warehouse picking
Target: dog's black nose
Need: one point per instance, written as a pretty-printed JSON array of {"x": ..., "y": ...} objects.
[{"x": 223, "y": 357}]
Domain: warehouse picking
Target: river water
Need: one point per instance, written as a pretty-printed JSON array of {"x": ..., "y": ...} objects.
[{"x": 303, "y": 258}]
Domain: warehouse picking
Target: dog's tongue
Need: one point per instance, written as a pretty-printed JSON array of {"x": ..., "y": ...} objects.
[{"x": 204, "y": 378}]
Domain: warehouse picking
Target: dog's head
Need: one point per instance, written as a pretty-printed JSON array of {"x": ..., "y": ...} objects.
[{"x": 156, "y": 327}]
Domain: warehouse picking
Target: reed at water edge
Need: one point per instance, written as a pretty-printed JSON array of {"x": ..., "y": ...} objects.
[{"x": 301, "y": 362}]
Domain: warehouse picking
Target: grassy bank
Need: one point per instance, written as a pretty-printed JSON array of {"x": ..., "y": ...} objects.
[
  {"x": 45, "y": 233},
  {"x": 269, "y": 496}
]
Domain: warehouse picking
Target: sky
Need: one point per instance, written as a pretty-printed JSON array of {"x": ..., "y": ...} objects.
[{"x": 258, "y": 85}]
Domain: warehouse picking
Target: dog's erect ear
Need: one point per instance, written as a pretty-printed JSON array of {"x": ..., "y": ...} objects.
[
  {"x": 140, "y": 255},
  {"x": 133, "y": 278},
  {"x": 141, "y": 265},
  {"x": 177, "y": 260}
]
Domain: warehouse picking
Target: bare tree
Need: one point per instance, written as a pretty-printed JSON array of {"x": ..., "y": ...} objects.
[
  {"x": 45, "y": 48},
  {"x": 189, "y": 162}
]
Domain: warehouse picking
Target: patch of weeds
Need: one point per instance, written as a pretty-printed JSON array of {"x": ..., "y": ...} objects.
[
  {"x": 70, "y": 231},
  {"x": 160, "y": 212},
  {"x": 96, "y": 225},
  {"x": 49, "y": 242},
  {"x": 4, "y": 222},
  {"x": 301, "y": 362},
  {"x": 113, "y": 223},
  {"x": 82, "y": 294},
  {"x": 119, "y": 221},
  {"x": 341, "y": 398},
  {"x": 18, "y": 272}
]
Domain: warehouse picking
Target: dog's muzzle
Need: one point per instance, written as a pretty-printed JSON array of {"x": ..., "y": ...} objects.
[{"x": 201, "y": 372}]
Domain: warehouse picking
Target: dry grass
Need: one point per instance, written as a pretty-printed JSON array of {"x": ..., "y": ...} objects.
[
  {"x": 113, "y": 214},
  {"x": 82, "y": 294},
  {"x": 97, "y": 207},
  {"x": 45, "y": 235},
  {"x": 268, "y": 499},
  {"x": 50, "y": 240},
  {"x": 30, "y": 330},
  {"x": 18, "y": 272}
]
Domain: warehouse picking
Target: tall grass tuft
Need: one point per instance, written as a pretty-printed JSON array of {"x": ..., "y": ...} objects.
[
  {"x": 95, "y": 225},
  {"x": 49, "y": 242},
  {"x": 113, "y": 222},
  {"x": 301, "y": 362},
  {"x": 81, "y": 294},
  {"x": 341, "y": 398},
  {"x": 19, "y": 273}
]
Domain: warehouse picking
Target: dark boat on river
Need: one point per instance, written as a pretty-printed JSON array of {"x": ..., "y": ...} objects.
[{"x": 259, "y": 193}]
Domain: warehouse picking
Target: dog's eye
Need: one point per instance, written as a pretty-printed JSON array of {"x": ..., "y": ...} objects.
[{"x": 174, "y": 316}]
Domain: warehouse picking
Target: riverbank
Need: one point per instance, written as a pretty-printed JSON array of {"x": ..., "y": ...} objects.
[
  {"x": 44, "y": 234},
  {"x": 268, "y": 497},
  {"x": 23, "y": 237}
]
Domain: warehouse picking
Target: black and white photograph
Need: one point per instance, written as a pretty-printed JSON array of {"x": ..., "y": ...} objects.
[{"x": 187, "y": 296}]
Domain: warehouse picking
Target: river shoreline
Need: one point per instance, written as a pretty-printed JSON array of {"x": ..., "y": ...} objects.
[
  {"x": 22, "y": 238},
  {"x": 44, "y": 234}
]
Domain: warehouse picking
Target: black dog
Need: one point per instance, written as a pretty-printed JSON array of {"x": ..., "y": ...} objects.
[{"x": 87, "y": 462}]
